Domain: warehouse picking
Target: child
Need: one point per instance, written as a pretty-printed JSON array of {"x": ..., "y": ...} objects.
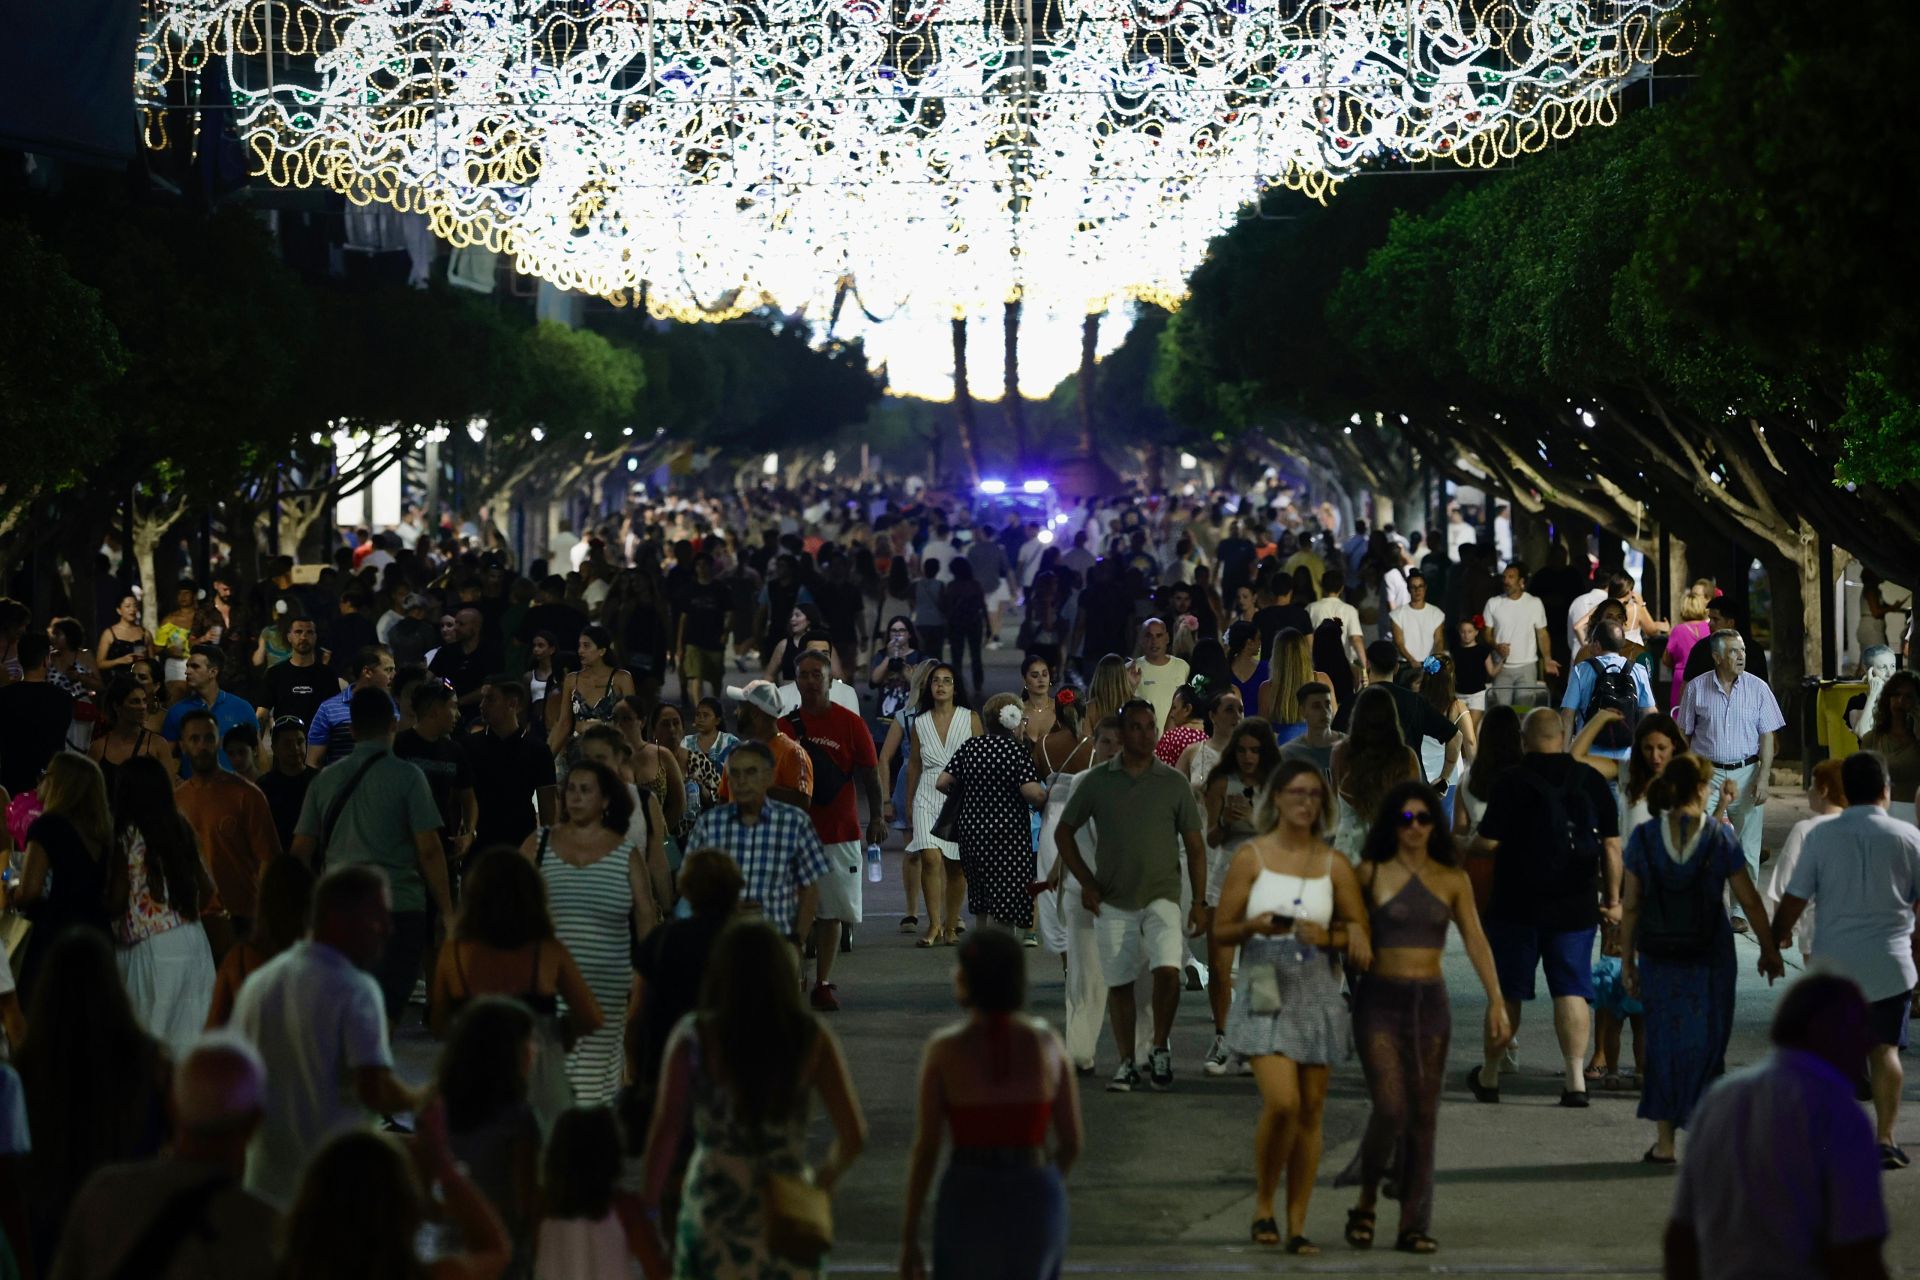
[
  {"x": 591, "y": 1227},
  {"x": 1611, "y": 1005}
]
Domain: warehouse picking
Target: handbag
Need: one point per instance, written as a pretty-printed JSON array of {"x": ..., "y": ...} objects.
[
  {"x": 799, "y": 1219},
  {"x": 14, "y": 929},
  {"x": 947, "y": 825}
]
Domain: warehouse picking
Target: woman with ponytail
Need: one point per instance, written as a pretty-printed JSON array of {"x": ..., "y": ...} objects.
[{"x": 1677, "y": 944}]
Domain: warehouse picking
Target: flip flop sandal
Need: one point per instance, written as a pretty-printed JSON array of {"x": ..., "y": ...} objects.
[
  {"x": 1416, "y": 1242},
  {"x": 1266, "y": 1231},
  {"x": 1651, "y": 1158},
  {"x": 1303, "y": 1247},
  {"x": 909, "y": 923},
  {"x": 1360, "y": 1228},
  {"x": 1598, "y": 1073}
]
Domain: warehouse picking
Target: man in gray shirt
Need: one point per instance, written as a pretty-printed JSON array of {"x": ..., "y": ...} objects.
[
  {"x": 991, "y": 571},
  {"x": 1862, "y": 869},
  {"x": 1144, "y": 811}
]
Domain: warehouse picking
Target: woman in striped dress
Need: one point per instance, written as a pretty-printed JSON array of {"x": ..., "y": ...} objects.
[{"x": 594, "y": 881}]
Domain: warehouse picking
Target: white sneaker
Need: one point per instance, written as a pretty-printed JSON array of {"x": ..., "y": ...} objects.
[
  {"x": 1219, "y": 1058},
  {"x": 1510, "y": 1060}
]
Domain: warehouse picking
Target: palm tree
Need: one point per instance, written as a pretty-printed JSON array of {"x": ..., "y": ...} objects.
[
  {"x": 1089, "y": 343},
  {"x": 963, "y": 400},
  {"x": 1013, "y": 404}
]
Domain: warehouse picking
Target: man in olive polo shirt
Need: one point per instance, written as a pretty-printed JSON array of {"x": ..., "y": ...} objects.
[
  {"x": 1143, "y": 812},
  {"x": 388, "y": 818}
]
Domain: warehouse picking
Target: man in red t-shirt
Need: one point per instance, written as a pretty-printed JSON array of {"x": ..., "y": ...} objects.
[{"x": 842, "y": 750}]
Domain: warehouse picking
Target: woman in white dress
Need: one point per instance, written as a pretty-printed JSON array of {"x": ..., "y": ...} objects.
[
  {"x": 943, "y": 723},
  {"x": 158, "y": 888}
]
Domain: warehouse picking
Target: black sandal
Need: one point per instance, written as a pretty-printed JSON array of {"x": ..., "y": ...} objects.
[
  {"x": 1303, "y": 1247},
  {"x": 1416, "y": 1242},
  {"x": 1266, "y": 1231},
  {"x": 1360, "y": 1228},
  {"x": 909, "y": 924}
]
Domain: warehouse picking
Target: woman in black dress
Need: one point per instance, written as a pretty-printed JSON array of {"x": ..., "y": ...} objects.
[
  {"x": 64, "y": 881},
  {"x": 999, "y": 790}
]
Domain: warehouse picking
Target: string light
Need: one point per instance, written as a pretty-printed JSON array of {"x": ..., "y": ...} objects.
[{"x": 714, "y": 158}]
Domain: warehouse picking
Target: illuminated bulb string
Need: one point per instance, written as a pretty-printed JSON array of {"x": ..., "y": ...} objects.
[{"x": 726, "y": 155}]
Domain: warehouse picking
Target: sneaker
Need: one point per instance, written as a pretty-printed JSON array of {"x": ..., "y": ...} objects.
[
  {"x": 1083, "y": 1070},
  {"x": 1510, "y": 1058},
  {"x": 1125, "y": 1079},
  {"x": 1892, "y": 1157},
  {"x": 823, "y": 998},
  {"x": 1160, "y": 1069},
  {"x": 1029, "y": 939},
  {"x": 1219, "y": 1058}
]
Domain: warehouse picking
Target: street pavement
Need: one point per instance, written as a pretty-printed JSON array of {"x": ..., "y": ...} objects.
[{"x": 1165, "y": 1186}]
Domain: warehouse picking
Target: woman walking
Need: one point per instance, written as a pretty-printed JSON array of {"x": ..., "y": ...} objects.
[
  {"x": 1373, "y": 757},
  {"x": 1185, "y": 727},
  {"x": 739, "y": 1073},
  {"x": 69, "y": 853},
  {"x": 1246, "y": 665},
  {"x": 1443, "y": 762},
  {"x": 1000, "y": 1081},
  {"x": 1402, "y": 1022},
  {"x": 1036, "y": 699},
  {"x": 999, "y": 792},
  {"x": 1677, "y": 944},
  {"x": 1230, "y": 795},
  {"x": 595, "y": 880},
  {"x": 124, "y": 638},
  {"x": 127, "y": 736},
  {"x": 1293, "y": 667},
  {"x": 941, "y": 724},
  {"x": 1291, "y": 904},
  {"x": 1896, "y": 736},
  {"x": 159, "y": 886},
  {"x": 590, "y": 694}
]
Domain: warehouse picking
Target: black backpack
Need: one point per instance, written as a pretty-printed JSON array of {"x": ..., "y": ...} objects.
[
  {"x": 1569, "y": 849},
  {"x": 828, "y": 776},
  {"x": 1679, "y": 920},
  {"x": 1613, "y": 690}
]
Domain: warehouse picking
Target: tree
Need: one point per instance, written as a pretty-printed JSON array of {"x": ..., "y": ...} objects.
[{"x": 963, "y": 401}]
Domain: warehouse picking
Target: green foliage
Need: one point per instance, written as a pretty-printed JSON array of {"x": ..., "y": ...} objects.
[{"x": 1879, "y": 428}]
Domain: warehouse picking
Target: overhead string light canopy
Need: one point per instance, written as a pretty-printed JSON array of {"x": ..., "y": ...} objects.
[{"x": 713, "y": 157}]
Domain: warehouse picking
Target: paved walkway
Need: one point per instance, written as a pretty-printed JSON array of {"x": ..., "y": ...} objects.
[{"x": 1165, "y": 1185}]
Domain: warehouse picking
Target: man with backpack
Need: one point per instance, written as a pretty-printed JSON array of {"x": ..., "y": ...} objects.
[
  {"x": 1607, "y": 681},
  {"x": 1554, "y": 832}
]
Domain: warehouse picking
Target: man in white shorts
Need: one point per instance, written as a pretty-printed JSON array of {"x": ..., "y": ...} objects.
[
  {"x": 1141, "y": 807},
  {"x": 994, "y": 574}
]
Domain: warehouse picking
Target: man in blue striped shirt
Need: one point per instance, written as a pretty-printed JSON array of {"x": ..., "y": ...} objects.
[
  {"x": 779, "y": 854},
  {"x": 330, "y": 735}
]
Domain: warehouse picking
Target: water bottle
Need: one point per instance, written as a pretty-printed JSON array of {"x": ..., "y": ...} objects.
[
  {"x": 873, "y": 863},
  {"x": 693, "y": 796}
]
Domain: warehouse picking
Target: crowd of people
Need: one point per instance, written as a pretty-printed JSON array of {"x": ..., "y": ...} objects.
[{"x": 592, "y": 822}]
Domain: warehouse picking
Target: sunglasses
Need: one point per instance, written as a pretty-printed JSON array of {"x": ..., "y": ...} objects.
[{"x": 1416, "y": 818}]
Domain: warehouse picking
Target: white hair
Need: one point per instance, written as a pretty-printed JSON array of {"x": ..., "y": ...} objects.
[
  {"x": 1717, "y": 642},
  {"x": 221, "y": 1083}
]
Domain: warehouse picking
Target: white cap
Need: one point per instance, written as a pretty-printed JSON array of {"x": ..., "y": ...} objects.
[{"x": 758, "y": 693}]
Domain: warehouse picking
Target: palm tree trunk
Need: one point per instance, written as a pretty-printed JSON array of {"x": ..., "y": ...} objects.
[
  {"x": 1014, "y": 405},
  {"x": 1089, "y": 343},
  {"x": 963, "y": 401}
]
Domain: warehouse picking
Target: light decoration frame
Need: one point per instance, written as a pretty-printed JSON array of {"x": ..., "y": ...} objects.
[{"x": 714, "y": 156}]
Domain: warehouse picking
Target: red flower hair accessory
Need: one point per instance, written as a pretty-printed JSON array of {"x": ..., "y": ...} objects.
[{"x": 1065, "y": 698}]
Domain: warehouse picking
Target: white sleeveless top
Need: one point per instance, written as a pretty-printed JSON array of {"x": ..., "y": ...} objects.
[{"x": 1308, "y": 898}]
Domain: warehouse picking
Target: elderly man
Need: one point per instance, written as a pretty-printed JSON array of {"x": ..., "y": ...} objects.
[
  {"x": 1862, "y": 869},
  {"x": 772, "y": 841},
  {"x": 1730, "y": 717},
  {"x": 183, "y": 1215}
]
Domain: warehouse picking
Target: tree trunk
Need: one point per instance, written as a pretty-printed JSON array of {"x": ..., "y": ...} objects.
[
  {"x": 963, "y": 401},
  {"x": 1014, "y": 403},
  {"x": 1089, "y": 344},
  {"x": 1795, "y": 650}
]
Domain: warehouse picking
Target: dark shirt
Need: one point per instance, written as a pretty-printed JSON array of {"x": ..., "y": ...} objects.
[
  {"x": 672, "y": 961},
  {"x": 299, "y": 691},
  {"x": 76, "y": 894},
  {"x": 1236, "y": 565},
  {"x": 34, "y": 718},
  {"x": 1700, "y": 659},
  {"x": 1518, "y": 816},
  {"x": 444, "y": 762},
  {"x": 285, "y": 794},
  {"x": 1418, "y": 719},
  {"x": 562, "y": 621},
  {"x": 411, "y": 639},
  {"x": 466, "y": 672},
  {"x": 349, "y": 634},
  {"x": 1276, "y": 618},
  {"x": 506, "y": 773},
  {"x": 707, "y": 607},
  {"x": 1107, "y": 610},
  {"x": 1470, "y": 666}
]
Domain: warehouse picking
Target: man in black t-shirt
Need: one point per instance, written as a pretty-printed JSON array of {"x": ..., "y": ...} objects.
[
  {"x": 1235, "y": 556},
  {"x": 700, "y": 647},
  {"x": 299, "y": 685},
  {"x": 353, "y": 631},
  {"x": 464, "y": 664},
  {"x": 550, "y": 613},
  {"x": 512, "y": 773},
  {"x": 1553, "y": 828},
  {"x": 1418, "y": 719},
  {"x": 415, "y": 633},
  {"x": 1105, "y": 617},
  {"x": 1277, "y": 611},
  {"x": 34, "y": 716},
  {"x": 288, "y": 775},
  {"x": 431, "y": 746}
]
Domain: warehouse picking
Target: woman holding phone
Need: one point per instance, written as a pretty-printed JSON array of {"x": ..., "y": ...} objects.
[{"x": 1291, "y": 903}]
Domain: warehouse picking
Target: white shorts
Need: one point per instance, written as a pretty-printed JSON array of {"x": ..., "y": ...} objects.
[
  {"x": 1474, "y": 701},
  {"x": 1001, "y": 596},
  {"x": 1128, "y": 939},
  {"x": 843, "y": 888}
]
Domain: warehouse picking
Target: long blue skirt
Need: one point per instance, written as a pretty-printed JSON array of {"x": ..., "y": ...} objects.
[
  {"x": 1000, "y": 1224},
  {"x": 1689, "y": 1021}
]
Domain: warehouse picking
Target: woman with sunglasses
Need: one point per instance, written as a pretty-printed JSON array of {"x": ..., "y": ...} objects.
[
  {"x": 1291, "y": 904},
  {"x": 1401, "y": 1020}
]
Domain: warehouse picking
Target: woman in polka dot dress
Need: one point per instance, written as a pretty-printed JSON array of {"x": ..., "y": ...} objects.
[{"x": 999, "y": 790}]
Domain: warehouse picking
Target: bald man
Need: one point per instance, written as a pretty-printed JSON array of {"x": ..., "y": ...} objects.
[
  {"x": 183, "y": 1215},
  {"x": 466, "y": 661},
  {"x": 1553, "y": 829}
]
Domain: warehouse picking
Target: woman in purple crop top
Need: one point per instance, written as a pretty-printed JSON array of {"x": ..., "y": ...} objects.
[{"x": 1401, "y": 1020}]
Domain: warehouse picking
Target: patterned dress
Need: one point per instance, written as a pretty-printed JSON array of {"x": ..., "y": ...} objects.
[
  {"x": 722, "y": 1232},
  {"x": 996, "y": 826},
  {"x": 591, "y": 905}
]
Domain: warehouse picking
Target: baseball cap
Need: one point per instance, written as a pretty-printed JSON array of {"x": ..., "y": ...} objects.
[{"x": 763, "y": 694}]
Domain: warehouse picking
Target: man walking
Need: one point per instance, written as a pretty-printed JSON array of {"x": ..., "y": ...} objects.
[
  {"x": 700, "y": 645},
  {"x": 1517, "y": 630},
  {"x": 1607, "y": 681},
  {"x": 374, "y": 808},
  {"x": 1554, "y": 831},
  {"x": 234, "y": 825},
  {"x": 1143, "y": 808},
  {"x": 1730, "y": 716},
  {"x": 464, "y": 664},
  {"x": 514, "y": 785},
  {"x": 1862, "y": 869},
  {"x": 299, "y": 685},
  {"x": 1418, "y": 719},
  {"x": 840, "y": 747},
  {"x": 36, "y": 714},
  {"x": 330, "y": 731},
  {"x": 773, "y": 843},
  {"x": 759, "y": 721},
  {"x": 204, "y": 668},
  {"x": 315, "y": 1016}
]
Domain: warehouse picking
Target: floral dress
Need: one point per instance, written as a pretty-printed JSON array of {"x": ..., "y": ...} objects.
[{"x": 722, "y": 1232}]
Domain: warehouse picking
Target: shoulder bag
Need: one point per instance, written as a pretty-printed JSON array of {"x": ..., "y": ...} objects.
[{"x": 334, "y": 809}]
